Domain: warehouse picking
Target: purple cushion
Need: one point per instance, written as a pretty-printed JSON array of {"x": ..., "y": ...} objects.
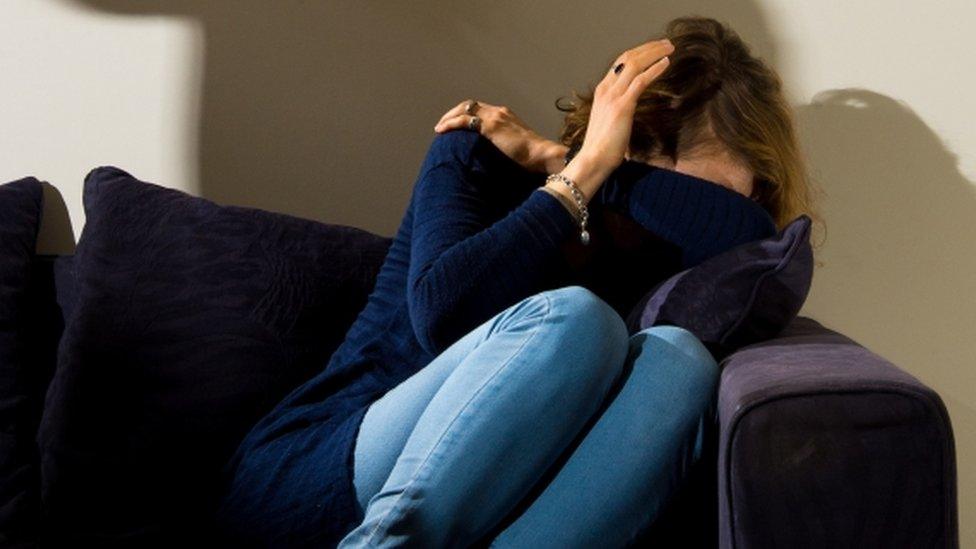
[
  {"x": 20, "y": 216},
  {"x": 190, "y": 320},
  {"x": 743, "y": 295}
]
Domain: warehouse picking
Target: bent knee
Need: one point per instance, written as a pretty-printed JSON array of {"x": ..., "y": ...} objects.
[
  {"x": 675, "y": 348},
  {"x": 452, "y": 146},
  {"x": 589, "y": 310},
  {"x": 586, "y": 318}
]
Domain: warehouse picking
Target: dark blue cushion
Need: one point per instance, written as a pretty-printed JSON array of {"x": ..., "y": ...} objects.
[
  {"x": 741, "y": 296},
  {"x": 20, "y": 214},
  {"x": 190, "y": 321}
]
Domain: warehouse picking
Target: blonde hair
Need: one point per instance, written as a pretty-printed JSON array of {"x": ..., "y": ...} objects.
[{"x": 715, "y": 90}]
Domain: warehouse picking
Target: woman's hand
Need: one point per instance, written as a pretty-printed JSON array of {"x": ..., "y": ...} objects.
[
  {"x": 509, "y": 133},
  {"x": 608, "y": 130}
]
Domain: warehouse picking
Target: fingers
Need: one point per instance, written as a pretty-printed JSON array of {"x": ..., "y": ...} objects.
[
  {"x": 457, "y": 122},
  {"x": 636, "y": 61},
  {"x": 489, "y": 115},
  {"x": 644, "y": 79},
  {"x": 455, "y": 110},
  {"x": 460, "y": 109}
]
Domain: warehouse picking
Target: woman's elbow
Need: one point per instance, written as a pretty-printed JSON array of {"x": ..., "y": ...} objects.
[{"x": 428, "y": 322}]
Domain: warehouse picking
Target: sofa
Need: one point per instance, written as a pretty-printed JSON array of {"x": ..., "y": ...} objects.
[{"x": 817, "y": 441}]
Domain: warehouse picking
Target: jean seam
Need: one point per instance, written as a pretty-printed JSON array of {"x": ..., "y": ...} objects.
[{"x": 411, "y": 483}]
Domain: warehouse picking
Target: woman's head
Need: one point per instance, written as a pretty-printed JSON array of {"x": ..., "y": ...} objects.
[{"x": 717, "y": 101}]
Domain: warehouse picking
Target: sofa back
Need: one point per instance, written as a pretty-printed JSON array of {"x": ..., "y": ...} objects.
[{"x": 53, "y": 298}]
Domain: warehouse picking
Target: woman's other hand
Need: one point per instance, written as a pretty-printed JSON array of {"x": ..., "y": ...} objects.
[
  {"x": 508, "y": 132},
  {"x": 608, "y": 130}
]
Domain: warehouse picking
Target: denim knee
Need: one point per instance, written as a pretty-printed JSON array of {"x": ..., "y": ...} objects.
[
  {"x": 584, "y": 316},
  {"x": 588, "y": 309},
  {"x": 700, "y": 374}
]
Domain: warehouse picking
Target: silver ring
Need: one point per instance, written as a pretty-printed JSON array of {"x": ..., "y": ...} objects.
[
  {"x": 474, "y": 123},
  {"x": 470, "y": 107}
]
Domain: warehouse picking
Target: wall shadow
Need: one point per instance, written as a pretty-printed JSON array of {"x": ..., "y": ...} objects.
[
  {"x": 325, "y": 109},
  {"x": 55, "y": 235},
  {"x": 898, "y": 262}
]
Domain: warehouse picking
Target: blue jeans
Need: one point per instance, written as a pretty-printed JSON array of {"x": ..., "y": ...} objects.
[{"x": 546, "y": 426}]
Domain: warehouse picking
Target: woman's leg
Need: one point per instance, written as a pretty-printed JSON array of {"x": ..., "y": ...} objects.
[
  {"x": 633, "y": 457},
  {"x": 515, "y": 393}
]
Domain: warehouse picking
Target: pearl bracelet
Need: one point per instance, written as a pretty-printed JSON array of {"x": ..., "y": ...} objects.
[{"x": 578, "y": 196}]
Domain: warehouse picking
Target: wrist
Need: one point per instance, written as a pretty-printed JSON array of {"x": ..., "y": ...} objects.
[
  {"x": 596, "y": 160},
  {"x": 588, "y": 174},
  {"x": 551, "y": 155}
]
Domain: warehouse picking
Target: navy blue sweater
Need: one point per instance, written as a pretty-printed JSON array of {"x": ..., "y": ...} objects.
[{"x": 478, "y": 235}]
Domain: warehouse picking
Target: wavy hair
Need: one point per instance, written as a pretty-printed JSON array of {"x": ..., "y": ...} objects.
[{"x": 715, "y": 92}]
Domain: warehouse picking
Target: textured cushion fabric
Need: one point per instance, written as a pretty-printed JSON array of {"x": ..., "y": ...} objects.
[
  {"x": 743, "y": 295},
  {"x": 826, "y": 444},
  {"x": 20, "y": 214},
  {"x": 189, "y": 321}
]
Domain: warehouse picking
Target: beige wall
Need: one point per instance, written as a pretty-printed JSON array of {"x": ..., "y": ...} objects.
[{"x": 325, "y": 109}]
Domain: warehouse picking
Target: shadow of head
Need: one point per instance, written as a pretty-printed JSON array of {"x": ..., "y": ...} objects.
[{"x": 900, "y": 224}]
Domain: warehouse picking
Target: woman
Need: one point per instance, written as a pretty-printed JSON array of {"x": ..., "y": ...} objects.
[{"x": 484, "y": 394}]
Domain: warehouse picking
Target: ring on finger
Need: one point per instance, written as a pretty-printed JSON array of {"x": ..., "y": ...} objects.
[
  {"x": 618, "y": 67},
  {"x": 474, "y": 123},
  {"x": 470, "y": 107}
]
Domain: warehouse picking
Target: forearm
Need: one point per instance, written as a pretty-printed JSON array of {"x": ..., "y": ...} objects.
[
  {"x": 465, "y": 264},
  {"x": 586, "y": 171},
  {"x": 700, "y": 217},
  {"x": 552, "y": 155},
  {"x": 478, "y": 276}
]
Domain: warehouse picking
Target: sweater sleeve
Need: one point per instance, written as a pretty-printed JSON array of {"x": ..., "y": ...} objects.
[
  {"x": 701, "y": 217},
  {"x": 466, "y": 264}
]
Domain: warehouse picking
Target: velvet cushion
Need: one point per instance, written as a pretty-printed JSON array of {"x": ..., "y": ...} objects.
[
  {"x": 190, "y": 320},
  {"x": 746, "y": 294},
  {"x": 20, "y": 215}
]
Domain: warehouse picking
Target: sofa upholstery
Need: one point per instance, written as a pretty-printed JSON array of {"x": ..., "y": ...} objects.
[
  {"x": 825, "y": 444},
  {"x": 818, "y": 442},
  {"x": 191, "y": 321}
]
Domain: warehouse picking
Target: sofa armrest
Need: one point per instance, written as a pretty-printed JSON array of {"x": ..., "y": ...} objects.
[{"x": 826, "y": 444}]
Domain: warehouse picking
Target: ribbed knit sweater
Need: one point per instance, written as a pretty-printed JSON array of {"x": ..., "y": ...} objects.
[{"x": 477, "y": 236}]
